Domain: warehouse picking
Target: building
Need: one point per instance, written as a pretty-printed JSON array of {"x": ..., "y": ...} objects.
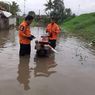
[{"x": 6, "y": 19}]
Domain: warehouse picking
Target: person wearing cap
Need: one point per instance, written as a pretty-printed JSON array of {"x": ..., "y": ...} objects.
[
  {"x": 25, "y": 36},
  {"x": 53, "y": 30}
]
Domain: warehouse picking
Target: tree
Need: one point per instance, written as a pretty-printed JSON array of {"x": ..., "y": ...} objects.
[
  {"x": 32, "y": 13},
  {"x": 4, "y": 5},
  {"x": 49, "y": 7},
  {"x": 57, "y": 10},
  {"x": 14, "y": 8},
  {"x": 68, "y": 12}
]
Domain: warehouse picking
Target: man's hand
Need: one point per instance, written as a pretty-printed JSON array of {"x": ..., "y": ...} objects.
[
  {"x": 50, "y": 35},
  {"x": 31, "y": 37}
]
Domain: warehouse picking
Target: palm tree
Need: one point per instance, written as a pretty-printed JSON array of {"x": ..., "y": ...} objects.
[
  {"x": 58, "y": 6},
  {"x": 57, "y": 10},
  {"x": 49, "y": 7},
  {"x": 14, "y": 8}
]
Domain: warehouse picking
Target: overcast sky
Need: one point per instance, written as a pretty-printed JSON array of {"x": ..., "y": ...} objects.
[{"x": 77, "y": 6}]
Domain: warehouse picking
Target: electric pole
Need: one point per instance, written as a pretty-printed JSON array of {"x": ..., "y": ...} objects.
[{"x": 24, "y": 6}]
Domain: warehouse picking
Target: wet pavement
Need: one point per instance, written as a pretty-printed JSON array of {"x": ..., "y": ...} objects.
[{"x": 69, "y": 72}]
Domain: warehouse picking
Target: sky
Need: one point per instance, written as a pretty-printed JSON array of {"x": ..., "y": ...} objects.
[{"x": 77, "y": 6}]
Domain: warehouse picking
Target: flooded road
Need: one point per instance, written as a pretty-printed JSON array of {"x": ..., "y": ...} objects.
[{"x": 69, "y": 72}]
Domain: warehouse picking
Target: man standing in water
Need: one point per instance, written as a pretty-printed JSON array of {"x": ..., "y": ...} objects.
[
  {"x": 25, "y": 36},
  {"x": 53, "y": 30}
]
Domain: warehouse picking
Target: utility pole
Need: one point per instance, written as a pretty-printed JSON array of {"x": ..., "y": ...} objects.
[
  {"x": 39, "y": 12},
  {"x": 50, "y": 8},
  {"x": 79, "y": 9},
  {"x": 24, "y": 6}
]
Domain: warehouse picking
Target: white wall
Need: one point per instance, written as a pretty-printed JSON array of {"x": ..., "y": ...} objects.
[{"x": 12, "y": 21}]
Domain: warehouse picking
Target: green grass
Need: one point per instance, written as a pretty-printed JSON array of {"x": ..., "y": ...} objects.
[
  {"x": 19, "y": 20},
  {"x": 83, "y": 26}
]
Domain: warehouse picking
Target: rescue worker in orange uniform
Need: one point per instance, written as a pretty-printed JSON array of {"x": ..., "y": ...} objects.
[
  {"x": 25, "y": 36},
  {"x": 53, "y": 30}
]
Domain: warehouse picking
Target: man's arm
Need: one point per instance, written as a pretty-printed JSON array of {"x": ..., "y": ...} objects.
[
  {"x": 58, "y": 30},
  {"x": 22, "y": 30}
]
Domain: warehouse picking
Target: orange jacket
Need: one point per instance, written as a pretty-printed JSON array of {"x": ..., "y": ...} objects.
[
  {"x": 24, "y": 32},
  {"x": 53, "y": 30}
]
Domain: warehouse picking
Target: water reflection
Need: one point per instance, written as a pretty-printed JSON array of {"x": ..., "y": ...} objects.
[
  {"x": 44, "y": 66},
  {"x": 3, "y": 37},
  {"x": 7, "y": 38},
  {"x": 24, "y": 72},
  {"x": 12, "y": 36}
]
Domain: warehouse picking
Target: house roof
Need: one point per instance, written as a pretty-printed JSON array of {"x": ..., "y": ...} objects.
[{"x": 5, "y": 13}]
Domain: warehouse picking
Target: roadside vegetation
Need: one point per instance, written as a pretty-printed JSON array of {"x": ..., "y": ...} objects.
[{"x": 83, "y": 26}]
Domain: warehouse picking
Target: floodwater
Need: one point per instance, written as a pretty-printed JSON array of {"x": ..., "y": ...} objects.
[{"x": 71, "y": 71}]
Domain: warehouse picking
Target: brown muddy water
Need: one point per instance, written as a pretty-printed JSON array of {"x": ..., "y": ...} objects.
[{"x": 69, "y": 72}]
